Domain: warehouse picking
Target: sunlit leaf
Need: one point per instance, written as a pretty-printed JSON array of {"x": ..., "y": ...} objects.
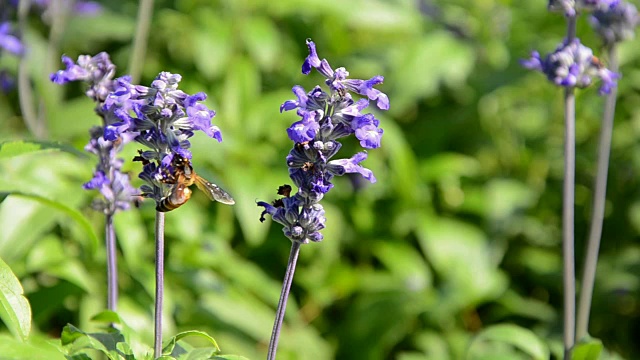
[
  {"x": 20, "y": 147},
  {"x": 74, "y": 214},
  {"x": 587, "y": 350},
  {"x": 172, "y": 342},
  {"x": 15, "y": 311},
  {"x": 522, "y": 339}
]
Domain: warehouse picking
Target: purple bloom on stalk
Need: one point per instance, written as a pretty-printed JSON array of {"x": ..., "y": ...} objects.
[
  {"x": 7, "y": 82},
  {"x": 97, "y": 73},
  {"x": 107, "y": 178},
  {"x": 325, "y": 118},
  {"x": 615, "y": 23},
  {"x": 162, "y": 118},
  {"x": 572, "y": 65},
  {"x": 10, "y": 42},
  {"x": 86, "y": 8},
  {"x": 570, "y": 8}
]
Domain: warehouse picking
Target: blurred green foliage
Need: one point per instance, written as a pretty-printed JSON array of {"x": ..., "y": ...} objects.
[{"x": 460, "y": 234}]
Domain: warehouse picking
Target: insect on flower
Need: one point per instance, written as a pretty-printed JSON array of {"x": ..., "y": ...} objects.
[{"x": 183, "y": 177}]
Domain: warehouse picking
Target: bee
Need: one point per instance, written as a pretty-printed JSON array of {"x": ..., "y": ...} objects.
[
  {"x": 184, "y": 176},
  {"x": 597, "y": 62},
  {"x": 308, "y": 166},
  {"x": 180, "y": 194}
]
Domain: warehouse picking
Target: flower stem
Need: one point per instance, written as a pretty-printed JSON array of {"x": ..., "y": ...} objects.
[
  {"x": 157, "y": 344},
  {"x": 112, "y": 267},
  {"x": 568, "y": 247},
  {"x": 25, "y": 90},
  {"x": 282, "y": 303},
  {"x": 568, "y": 201},
  {"x": 599, "y": 199},
  {"x": 145, "y": 11}
]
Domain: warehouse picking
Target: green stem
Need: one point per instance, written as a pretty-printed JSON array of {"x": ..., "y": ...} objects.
[
  {"x": 568, "y": 202},
  {"x": 112, "y": 268},
  {"x": 599, "y": 199},
  {"x": 282, "y": 303},
  {"x": 145, "y": 11},
  {"x": 157, "y": 344},
  {"x": 24, "y": 82},
  {"x": 568, "y": 246}
]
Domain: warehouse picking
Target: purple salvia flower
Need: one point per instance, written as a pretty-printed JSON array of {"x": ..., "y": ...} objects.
[
  {"x": 162, "y": 118},
  {"x": 106, "y": 141},
  {"x": 97, "y": 71},
  {"x": 572, "y": 65},
  {"x": 325, "y": 118},
  {"x": 615, "y": 23},
  {"x": 10, "y": 42},
  {"x": 114, "y": 186},
  {"x": 570, "y": 8},
  {"x": 7, "y": 82}
]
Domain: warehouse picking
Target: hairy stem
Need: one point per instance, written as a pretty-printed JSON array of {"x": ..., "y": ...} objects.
[
  {"x": 145, "y": 11},
  {"x": 282, "y": 303},
  {"x": 599, "y": 199},
  {"x": 112, "y": 267},
  {"x": 157, "y": 343}
]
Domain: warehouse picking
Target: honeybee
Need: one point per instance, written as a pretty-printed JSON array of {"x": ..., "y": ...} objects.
[
  {"x": 308, "y": 166},
  {"x": 184, "y": 177}
]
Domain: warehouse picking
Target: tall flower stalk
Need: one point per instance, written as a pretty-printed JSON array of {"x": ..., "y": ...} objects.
[
  {"x": 97, "y": 73},
  {"x": 571, "y": 65},
  {"x": 163, "y": 118},
  {"x": 614, "y": 24},
  {"x": 325, "y": 118}
]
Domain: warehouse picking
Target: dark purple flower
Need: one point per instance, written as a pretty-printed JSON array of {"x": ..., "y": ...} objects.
[
  {"x": 571, "y": 7},
  {"x": 325, "y": 118},
  {"x": 352, "y": 165},
  {"x": 305, "y": 129},
  {"x": 300, "y": 223},
  {"x": 97, "y": 71},
  {"x": 363, "y": 87},
  {"x": 7, "y": 82},
  {"x": 10, "y": 42},
  {"x": 106, "y": 141},
  {"x": 367, "y": 131},
  {"x": 572, "y": 65},
  {"x": 615, "y": 23},
  {"x": 97, "y": 182}
]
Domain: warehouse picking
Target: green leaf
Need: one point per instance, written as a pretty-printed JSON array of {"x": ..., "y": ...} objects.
[
  {"x": 520, "y": 338},
  {"x": 70, "y": 334},
  {"x": 36, "y": 347},
  {"x": 20, "y": 147},
  {"x": 587, "y": 350},
  {"x": 73, "y": 213},
  {"x": 229, "y": 357},
  {"x": 108, "y": 317},
  {"x": 15, "y": 311},
  {"x": 168, "y": 349}
]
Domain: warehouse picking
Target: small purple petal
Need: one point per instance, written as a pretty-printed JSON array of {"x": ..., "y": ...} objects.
[
  {"x": 305, "y": 129},
  {"x": 312, "y": 60}
]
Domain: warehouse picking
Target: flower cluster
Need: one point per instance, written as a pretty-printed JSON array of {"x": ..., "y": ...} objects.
[
  {"x": 615, "y": 23},
  {"x": 325, "y": 118},
  {"x": 572, "y": 65},
  {"x": 570, "y": 8},
  {"x": 10, "y": 43},
  {"x": 162, "y": 118},
  {"x": 97, "y": 73}
]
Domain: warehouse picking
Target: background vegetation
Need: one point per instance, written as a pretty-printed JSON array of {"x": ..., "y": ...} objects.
[{"x": 461, "y": 231}]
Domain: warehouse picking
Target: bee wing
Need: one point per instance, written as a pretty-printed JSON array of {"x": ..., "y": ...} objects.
[{"x": 213, "y": 191}]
